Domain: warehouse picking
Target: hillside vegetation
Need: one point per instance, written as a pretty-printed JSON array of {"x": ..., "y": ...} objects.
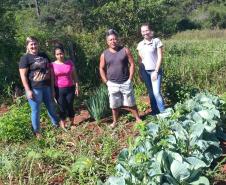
[
  {"x": 187, "y": 136},
  {"x": 80, "y": 26},
  {"x": 195, "y": 60}
]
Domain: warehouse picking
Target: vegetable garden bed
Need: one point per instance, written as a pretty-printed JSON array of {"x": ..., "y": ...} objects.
[
  {"x": 178, "y": 148},
  {"x": 89, "y": 152}
]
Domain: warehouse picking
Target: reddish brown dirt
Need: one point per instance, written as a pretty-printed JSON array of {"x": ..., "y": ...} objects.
[
  {"x": 95, "y": 128},
  {"x": 220, "y": 183},
  {"x": 82, "y": 116},
  {"x": 223, "y": 167},
  {"x": 145, "y": 99},
  {"x": 56, "y": 180},
  {"x": 223, "y": 146},
  {"x": 3, "y": 109}
]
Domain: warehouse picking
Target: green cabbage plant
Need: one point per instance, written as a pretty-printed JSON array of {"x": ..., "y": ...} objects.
[{"x": 177, "y": 149}]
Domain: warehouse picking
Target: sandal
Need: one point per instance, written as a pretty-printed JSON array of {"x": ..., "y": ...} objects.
[{"x": 113, "y": 125}]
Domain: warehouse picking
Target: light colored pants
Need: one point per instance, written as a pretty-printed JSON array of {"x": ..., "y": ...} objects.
[{"x": 121, "y": 94}]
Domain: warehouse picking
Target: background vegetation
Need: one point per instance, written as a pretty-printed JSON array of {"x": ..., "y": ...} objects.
[{"x": 80, "y": 26}]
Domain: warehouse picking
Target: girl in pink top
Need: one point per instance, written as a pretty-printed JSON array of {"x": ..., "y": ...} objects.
[{"x": 64, "y": 85}]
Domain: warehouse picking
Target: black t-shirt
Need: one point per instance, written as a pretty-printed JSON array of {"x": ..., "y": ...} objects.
[{"x": 38, "y": 69}]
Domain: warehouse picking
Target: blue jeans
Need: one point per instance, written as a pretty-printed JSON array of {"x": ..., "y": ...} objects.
[
  {"x": 153, "y": 87},
  {"x": 42, "y": 94}
]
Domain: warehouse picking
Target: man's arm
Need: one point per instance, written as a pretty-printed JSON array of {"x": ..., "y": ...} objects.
[
  {"x": 131, "y": 62},
  {"x": 141, "y": 66},
  {"x": 102, "y": 69},
  {"x": 139, "y": 58}
]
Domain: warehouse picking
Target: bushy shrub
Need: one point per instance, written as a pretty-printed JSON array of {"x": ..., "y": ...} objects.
[{"x": 15, "y": 124}]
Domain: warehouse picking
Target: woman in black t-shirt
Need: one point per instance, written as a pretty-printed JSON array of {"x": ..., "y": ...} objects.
[{"x": 35, "y": 75}]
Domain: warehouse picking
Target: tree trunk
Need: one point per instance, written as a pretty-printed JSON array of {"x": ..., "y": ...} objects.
[
  {"x": 71, "y": 51},
  {"x": 37, "y": 8}
]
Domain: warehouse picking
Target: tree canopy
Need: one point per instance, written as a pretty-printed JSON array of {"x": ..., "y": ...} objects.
[{"x": 82, "y": 22}]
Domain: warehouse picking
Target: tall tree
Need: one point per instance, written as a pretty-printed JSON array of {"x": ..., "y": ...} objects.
[
  {"x": 37, "y": 8},
  {"x": 8, "y": 46}
]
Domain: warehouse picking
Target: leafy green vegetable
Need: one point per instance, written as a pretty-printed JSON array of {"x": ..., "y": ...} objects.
[{"x": 178, "y": 148}]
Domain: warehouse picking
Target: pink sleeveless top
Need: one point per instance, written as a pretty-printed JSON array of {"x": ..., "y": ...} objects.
[{"x": 63, "y": 73}]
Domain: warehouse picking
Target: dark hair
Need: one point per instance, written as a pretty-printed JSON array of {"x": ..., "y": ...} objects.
[
  {"x": 148, "y": 25},
  {"x": 58, "y": 46},
  {"x": 111, "y": 32}
]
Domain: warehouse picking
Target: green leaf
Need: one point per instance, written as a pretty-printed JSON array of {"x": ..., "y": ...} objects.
[
  {"x": 123, "y": 156},
  {"x": 97, "y": 104},
  {"x": 201, "y": 181},
  {"x": 180, "y": 132},
  {"x": 122, "y": 171},
  {"x": 213, "y": 152},
  {"x": 180, "y": 170},
  {"x": 34, "y": 155},
  {"x": 53, "y": 153},
  {"x": 220, "y": 134},
  {"x": 211, "y": 126},
  {"x": 82, "y": 164},
  {"x": 166, "y": 159},
  {"x": 216, "y": 113},
  {"x": 153, "y": 129},
  {"x": 190, "y": 104},
  {"x": 206, "y": 114},
  {"x": 140, "y": 157},
  {"x": 166, "y": 114},
  {"x": 171, "y": 139},
  {"x": 171, "y": 179},
  {"x": 195, "y": 163},
  {"x": 196, "y": 117},
  {"x": 196, "y": 131},
  {"x": 115, "y": 181},
  {"x": 155, "y": 169}
]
